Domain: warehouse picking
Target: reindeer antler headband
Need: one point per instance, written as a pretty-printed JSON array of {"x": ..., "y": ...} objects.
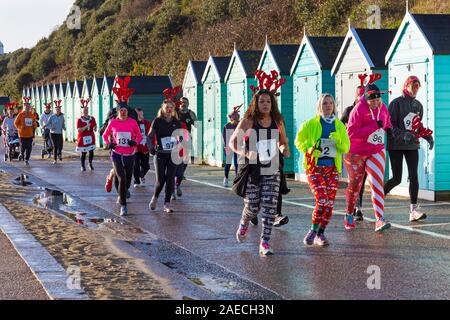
[
  {"x": 11, "y": 105},
  {"x": 58, "y": 103},
  {"x": 85, "y": 103},
  {"x": 171, "y": 93},
  {"x": 122, "y": 92},
  {"x": 268, "y": 82},
  {"x": 26, "y": 100}
]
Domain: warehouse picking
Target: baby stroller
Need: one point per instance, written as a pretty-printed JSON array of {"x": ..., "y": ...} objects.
[
  {"x": 48, "y": 145},
  {"x": 12, "y": 145}
]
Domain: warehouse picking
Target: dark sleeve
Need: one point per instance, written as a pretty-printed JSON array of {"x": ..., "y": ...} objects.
[
  {"x": 224, "y": 130},
  {"x": 346, "y": 114}
]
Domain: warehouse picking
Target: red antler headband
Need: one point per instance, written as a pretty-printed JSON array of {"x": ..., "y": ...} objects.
[
  {"x": 235, "y": 110},
  {"x": 122, "y": 92},
  {"x": 11, "y": 105},
  {"x": 58, "y": 103},
  {"x": 26, "y": 100},
  {"x": 362, "y": 77},
  {"x": 268, "y": 82},
  {"x": 171, "y": 93},
  {"x": 48, "y": 104},
  {"x": 85, "y": 103}
]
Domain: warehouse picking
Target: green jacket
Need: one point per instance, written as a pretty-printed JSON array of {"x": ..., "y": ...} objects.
[{"x": 311, "y": 131}]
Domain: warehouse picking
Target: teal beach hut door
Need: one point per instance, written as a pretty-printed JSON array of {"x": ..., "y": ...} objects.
[
  {"x": 401, "y": 72},
  {"x": 210, "y": 123}
]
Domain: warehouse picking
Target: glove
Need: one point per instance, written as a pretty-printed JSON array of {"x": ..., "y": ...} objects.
[
  {"x": 132, "y": 143},
  {"x": 152, "y": 151},
  {"x": 111, "y": 146},
  {"x": 380, "y": 123},
  {"x": 408, "y": 137},
  {"x": 430, "y": 141},
  {"x": 335, "y": 136}
]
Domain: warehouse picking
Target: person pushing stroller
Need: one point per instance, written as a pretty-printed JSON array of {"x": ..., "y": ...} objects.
[{"x": 48, "y": 145}]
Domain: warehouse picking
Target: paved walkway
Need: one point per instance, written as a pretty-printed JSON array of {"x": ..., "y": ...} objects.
[{"x": 17, "y": 282}]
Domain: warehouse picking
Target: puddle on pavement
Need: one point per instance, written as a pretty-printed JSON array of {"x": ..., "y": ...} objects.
[
  {"x": 67, "y": 206},
  {"x": 22, "y": 180}
]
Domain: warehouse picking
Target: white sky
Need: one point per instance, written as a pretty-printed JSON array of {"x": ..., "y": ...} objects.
[{"x": 24, "y": 22}]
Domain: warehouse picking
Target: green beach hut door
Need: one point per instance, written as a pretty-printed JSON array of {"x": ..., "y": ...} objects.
[
  {"x": 210, "y": 123},
  {"x": 401, "y": 72}
]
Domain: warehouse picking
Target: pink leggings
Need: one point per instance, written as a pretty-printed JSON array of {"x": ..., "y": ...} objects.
[{"x": 357, "y": 166}]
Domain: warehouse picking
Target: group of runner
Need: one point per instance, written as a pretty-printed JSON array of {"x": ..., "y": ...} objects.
[{"x": 325, "y": 140}]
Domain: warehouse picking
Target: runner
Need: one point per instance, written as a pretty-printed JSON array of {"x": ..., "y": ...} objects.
[
  {"x": 323, "y": 139},
  {"x": 86, "y": 126},
  {"x": 8, "y": 127},
  {"x": 25, "y": 123},
  {"x": 406, "y": 114},
  {"x": 57, "y": 124},
  {"x": 142, "y": 163},
  {"x": 263, "y": 134},
  {"x": 227, "y": 131},
  {"x": 367, "y": 125},
  {"x": 188, "y": 119},
  {"x": 164, "y": 128},
  {"x": 357, "y": 213},
  {"x": 48, "y": 146},
  {"x": 121, "y": 136}
]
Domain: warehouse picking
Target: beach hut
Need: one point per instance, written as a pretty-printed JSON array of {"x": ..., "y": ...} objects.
[
  {"x": 96, "y": 105},
  {"x": 107, "y": 99},
  {"x": 3, "y": 102},
  {"x": 362, "y": 51},
  {"x": 67, "y": 105},
  {"x": 73, "y": 110},
  {"x": 214, "y": 109},
  {"x": 193, "y": 90},
  {"x": 422, "y": 48},
  {"x": 281, "y": 59},
  {"x": 311, "y": 76}
]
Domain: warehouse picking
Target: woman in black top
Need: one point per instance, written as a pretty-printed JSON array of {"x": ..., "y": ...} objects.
[{"x": 167, "y": 129}]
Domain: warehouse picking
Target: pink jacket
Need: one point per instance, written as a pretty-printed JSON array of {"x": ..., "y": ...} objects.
[
  {"x": 121, "y": 132},
  {"x": 361, "y": 125}
]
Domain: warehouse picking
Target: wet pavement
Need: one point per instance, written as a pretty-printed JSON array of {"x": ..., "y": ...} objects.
[{"x": 197, "y": 241}]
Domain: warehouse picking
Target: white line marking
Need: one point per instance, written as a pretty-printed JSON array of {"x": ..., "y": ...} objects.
[
  {"x": 395, "y": 225},
  {"x": 430, "y": 225}
]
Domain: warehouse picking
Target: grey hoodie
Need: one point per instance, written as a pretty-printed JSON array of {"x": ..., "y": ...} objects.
[{"x": 56, "y": 123}]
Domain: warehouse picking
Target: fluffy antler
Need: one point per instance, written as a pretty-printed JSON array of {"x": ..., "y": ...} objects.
[
  {"x": 374, "y": 78},
  {"x": 85, "y": 103},
  {"x": 26, "y": 100},
  {"x": 268, "y": 82},
  {"x": 58, "y": 102},
  {"x": 362, "y": 78},
  {"x": 11, "y": 105},
  {"x": 171, "y": 93},
  {"x": 48, "y": 104},
  {"x": 122, "y": 92}
]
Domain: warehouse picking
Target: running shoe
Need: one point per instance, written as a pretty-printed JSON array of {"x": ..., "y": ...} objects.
[
  {"x": 264, "y": 248},
  {"x": 349, "y": 224},
  {"x": 416, "y": 215},
  {"x": 83, "y": 169},
  {"x": 241, "y": 233},
  {"x": 54, "y": 161},
  {"x": 309, "y": 238},
  {"x": 60, "y": 157},
  {"x": 142, "y": 181},
  {"x": 49, "y": 155},
  {"x": 280, "y": 220},
  {"x": 136, "y": 185},
  {"x": 321, "y": 240},
  {"x": 179, "y": 192},
  {"x": 254, "y": 221},
  {"x": 174, "y": 196},
  {"x": 152, "y": 204},
  {"x": 108, "y": 185},
  {"x": 91, "y": 167},
  {"x": 123, "y": 211},
  {"x": 167, "y": 208},
  {"x": 225, "y": 182},
  {"x": 381, "y": 225},
  {"x": 27, "y": 163},
  {"x": 357, "y": 213}
]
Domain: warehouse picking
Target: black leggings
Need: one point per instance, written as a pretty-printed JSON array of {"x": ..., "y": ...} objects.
[
  {"x": 141, "y": 166},
  {"x": 179, "y": 173},
  {"x": 165, "y": 174},
  {"x": 412, "y": 161},
  {"x": 26, "y": 145},
  {"x": 228, "y": 165},
  {"x": 83, "y": 157},
  {"x": 57, "y": 140},
  {"x": 123, "y": 169}
]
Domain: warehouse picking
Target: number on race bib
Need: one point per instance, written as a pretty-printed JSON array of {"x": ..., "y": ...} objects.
[
  {"x": 168, "y": 143},
  {"x": 328, "y": 148},
  {"x": 28, "y": 122},
  {"x": 122, "y": 138},
  {"x": 377, "y": 137},
  {"x": 266, "y": 149},
  {"x": 407, "y": 121}
]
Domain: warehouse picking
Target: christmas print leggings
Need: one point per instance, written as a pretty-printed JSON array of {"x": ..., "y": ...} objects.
[
  {"x": 357, "y": 166},
  {"x": 323, "y": 182}
]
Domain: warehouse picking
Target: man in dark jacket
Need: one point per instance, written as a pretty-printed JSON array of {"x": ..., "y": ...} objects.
[{"x": 403, "y": 143}]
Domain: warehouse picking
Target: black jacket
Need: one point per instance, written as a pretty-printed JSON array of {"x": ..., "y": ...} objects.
[{"x": 399, "y": 108}]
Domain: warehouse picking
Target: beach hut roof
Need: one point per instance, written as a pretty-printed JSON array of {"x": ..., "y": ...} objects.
[
  {"x": 373, "y": 44},
  {"x": 198, "y": 68},
  {"x": 283, "y": 56},
  {"x": 220, "y": 66},
  {"x": 4, "y": 100}
]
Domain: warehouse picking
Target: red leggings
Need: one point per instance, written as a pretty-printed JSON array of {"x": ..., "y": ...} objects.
[{"x": 324, "y": 184}]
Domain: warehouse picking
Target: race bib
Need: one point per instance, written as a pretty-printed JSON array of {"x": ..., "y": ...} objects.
[
  {"x": 267, "y": 149},
  {"x": 168, "y": 143},
  {"x": 328, "y": 148},
  {"x": 122, "y": 138},
  {"x": 377, "y": 137},
  {"x": 408, "y": 120},
  {"x": 144, "y": 135},
  {"x": 28, "y": 122},
  {"x": 87, "y": 140}
]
